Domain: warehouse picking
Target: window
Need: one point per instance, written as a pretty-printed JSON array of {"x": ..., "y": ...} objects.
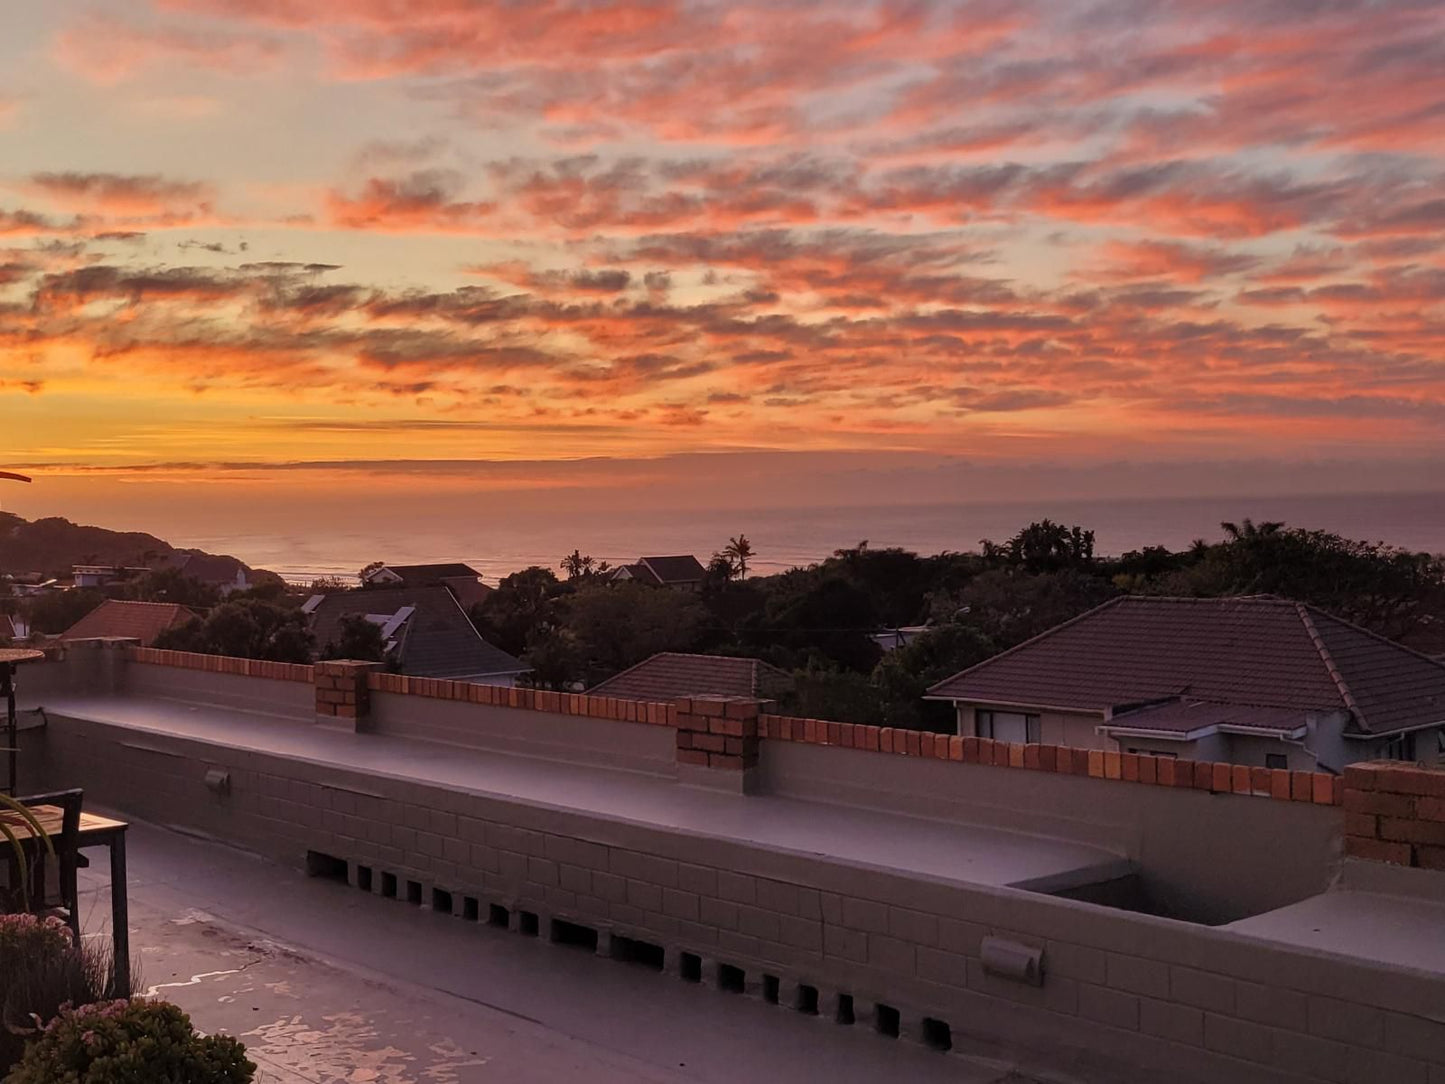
[
  {"x": 1009, "y": 726},
  {"x": 1400, "y": 747},
  {"x": 1276, "y": 760}
]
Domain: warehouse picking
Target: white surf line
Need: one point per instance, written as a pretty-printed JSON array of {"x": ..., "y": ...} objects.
[{"x": 192, "y": 981}]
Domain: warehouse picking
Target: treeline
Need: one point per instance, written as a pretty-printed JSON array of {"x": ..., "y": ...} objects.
[{"x": 818, "y": 622}]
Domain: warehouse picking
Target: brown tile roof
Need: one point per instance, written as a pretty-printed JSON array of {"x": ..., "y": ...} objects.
[
  {"x": 423, "y": 575},
  {"x": 1184, "y": 716},
  {"x": 684, "y": 568},
  {"x": 438, "y": 640},
  {"x": 671, "y": 674},
  {"x": 122, "y": 617},
  {"x": 1257, "y": 650}
]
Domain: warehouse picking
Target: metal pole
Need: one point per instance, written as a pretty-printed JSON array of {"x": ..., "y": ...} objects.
[{"x": 7, "y": 686}]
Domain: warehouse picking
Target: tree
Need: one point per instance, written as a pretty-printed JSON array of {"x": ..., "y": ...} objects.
[
  {"x": 576, "y": 565},
  {"x": 739, "y": 551},
  {"x": 1009, "y": 606},
  {"x": 247, "y": 629},
  {"x": 617, "y": 625},
  {"x": 367, "y": 570},
  {"x": 55, "y": 611},
  {"x": 357, "y": 639},
  {"x": 521, "y": 602},
  {"x": 1045, "y": 546},
  {"x": 903, "y": 675},
  {"x": 172, "y": 585},
  {"x": 327, "y": 585},
  {"x": 554, "y": 657}
]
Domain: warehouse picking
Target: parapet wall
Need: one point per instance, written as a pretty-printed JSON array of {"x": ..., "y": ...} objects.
[{"x": 809, "y": 930}]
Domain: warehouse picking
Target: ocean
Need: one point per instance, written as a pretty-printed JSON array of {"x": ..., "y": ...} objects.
[{"x": 784, "y": 538}]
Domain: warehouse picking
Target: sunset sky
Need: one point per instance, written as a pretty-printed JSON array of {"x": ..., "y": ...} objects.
[{"x": 282, "y": 246}]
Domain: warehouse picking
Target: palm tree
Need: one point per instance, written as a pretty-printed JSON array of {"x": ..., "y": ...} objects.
[
  {"x": 738, "y": 550},
  {"x": 1249, "y": 531},
  {"x": 576, "y": 565}
]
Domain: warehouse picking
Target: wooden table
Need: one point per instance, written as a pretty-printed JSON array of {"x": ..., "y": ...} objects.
[{"x": 95, "y": 831}]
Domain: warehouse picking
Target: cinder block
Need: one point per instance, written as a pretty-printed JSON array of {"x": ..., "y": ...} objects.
[
  {"x": 1177, "y": 1023},
  {"x": 1202, "y": 989},
  {"x": 1136, "y": 975},
  {"x": 1238, "y": 1038},
  {"x": 1106, "y": 1006}
]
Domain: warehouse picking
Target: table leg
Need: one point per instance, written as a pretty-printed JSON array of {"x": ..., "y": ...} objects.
[{"x": 119, "y": 915}]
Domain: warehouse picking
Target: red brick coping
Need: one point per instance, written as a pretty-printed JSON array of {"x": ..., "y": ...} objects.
[
  {"x": 1296, "y": 786},
  {"x": 1395, "y": 813}
]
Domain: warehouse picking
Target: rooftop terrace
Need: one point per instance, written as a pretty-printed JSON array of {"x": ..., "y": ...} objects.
[{"x": 1184, "y": 921}]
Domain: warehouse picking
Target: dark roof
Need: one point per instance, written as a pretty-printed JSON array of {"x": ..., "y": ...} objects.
[
  {"x": 421, "y": 575},
  {"x": 640, "y": 573},
  {"x": 1184, "y": 716},
  {"x": 121, "y": 617},
  {"x": 1254, "y": 650},
  {"x": 209, "y": 568},
  {"x": 437, "y": 640},
  {"x": 671, "y": 674},
  {"x": 681, "y": 569}
]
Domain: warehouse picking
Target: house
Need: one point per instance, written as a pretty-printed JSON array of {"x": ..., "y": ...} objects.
[
  {"x": 426, "y": 631},
  {"x": 681, "y": 573},
  {"x": 143, "y": 621},
  {"x": 1258, "y": 680},
  {"x": 226, "y": 574},
  {"x": 671, "y": 674},
  {"x": 464, "y": 581}
]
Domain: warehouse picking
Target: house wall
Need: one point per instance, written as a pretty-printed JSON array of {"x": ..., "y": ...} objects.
[
  {"x": 1077, "y": 730},
  {"x": 1185, "y": 1001},
  {"x": 1213, "y": 747}
]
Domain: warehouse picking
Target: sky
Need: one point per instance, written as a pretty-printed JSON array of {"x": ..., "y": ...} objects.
[{"x": 278, "y": 255}]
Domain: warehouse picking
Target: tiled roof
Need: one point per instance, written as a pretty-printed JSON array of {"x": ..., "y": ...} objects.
[
  {"x": 438, "y": 640},
  {"x": 681, "y": 569},
  {"x": 1256, "y": 650},
  {"x": 425, "y": 574},
  {"x": 120, "y": 617},
  {"x": 1183, "y": 716},
  {"x": 671, "y": 674},
  {"x": 640, "y": 573}
]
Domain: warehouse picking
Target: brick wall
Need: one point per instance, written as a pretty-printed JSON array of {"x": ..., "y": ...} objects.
[{"x": 1395, "y": 813}]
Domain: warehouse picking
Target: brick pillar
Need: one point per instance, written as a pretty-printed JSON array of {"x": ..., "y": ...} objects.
[
  {"x": 342, "y": 698},
  {"x": 717, "y": 741},
  {"x": 1395, "y": 812}
]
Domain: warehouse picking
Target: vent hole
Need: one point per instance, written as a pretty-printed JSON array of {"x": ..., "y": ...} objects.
[
  {"x": 441, "y": 901},
  {"x": 497, "y": 915},
  {"x": 643, "y": 953},
  {"x": 689, "y": 966},
  {"x": 471, "y": 909},
  {"x": 730, "y": 978},
  {"x": 770, "y": 989},
  {"x": 570, "y": 933},
  {"x": 413, "y": 892},
  {"x": 886, "y": 1021},
  {"x": 807, "y": 1000},
  {"x": 845, "y": 1009},
  {"x": 388, "y": 885},
  {"x": 363, "y": 878},
  {"x": 325, "y": 866},
  {"x": 528, "y": 923},
  {"x": 937, "y": 1034}
]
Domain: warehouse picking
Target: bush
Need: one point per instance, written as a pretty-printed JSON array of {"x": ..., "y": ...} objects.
[
  {"x": 130, "y": 1042},
  {"x": 42, "y": 969}
]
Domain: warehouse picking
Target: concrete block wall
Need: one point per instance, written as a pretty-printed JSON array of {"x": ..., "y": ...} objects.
[{"x": 1183, "y": 1001}]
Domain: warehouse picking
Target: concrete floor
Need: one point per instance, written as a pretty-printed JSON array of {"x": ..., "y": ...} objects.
[{"x": 327, "y": 984}]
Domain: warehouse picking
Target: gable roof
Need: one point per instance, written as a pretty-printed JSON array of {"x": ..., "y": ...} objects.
[
  {"x": 1250, "y": 650},
  {"x": 424, "y": 574},
  {"x": 684, "y": 568},
  {"x": 639, "y": 572},
  {"x": 122, "y": 617},
  {"x": 436, "y": 640},
  {"x": 213, "y": 568},
  {"x": 671, "y": 674}
]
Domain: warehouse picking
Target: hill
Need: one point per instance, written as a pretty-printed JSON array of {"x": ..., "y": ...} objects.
[{"x": 52, "y": 545}]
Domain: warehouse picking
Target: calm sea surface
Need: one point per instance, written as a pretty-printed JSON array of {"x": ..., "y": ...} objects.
[{"x": 784, "y": 538}]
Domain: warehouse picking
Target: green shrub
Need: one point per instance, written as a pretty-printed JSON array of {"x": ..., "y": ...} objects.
[
  {"x": 41, "y": 969},
  {"x": 130, "y": 1042}
]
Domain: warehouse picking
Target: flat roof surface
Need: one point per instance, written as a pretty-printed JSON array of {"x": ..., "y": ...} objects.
[
  {"x": 944, "y": 851},
  {"x": 1376, "y": 926},
  {"x": 325, "y": 983}
]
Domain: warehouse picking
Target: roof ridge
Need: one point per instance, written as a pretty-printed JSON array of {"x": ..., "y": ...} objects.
[
  {"x": 1032, "y": 640},
  {"x": 1353, "y": 627},
  {"x": 1329, "y": 660}
]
